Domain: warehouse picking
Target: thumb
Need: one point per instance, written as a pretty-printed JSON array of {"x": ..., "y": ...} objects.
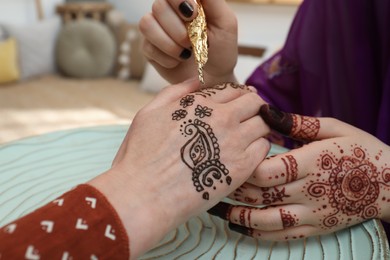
[
  {"x": 218, "y": 13},
  {"x": 304, "y": 128}
]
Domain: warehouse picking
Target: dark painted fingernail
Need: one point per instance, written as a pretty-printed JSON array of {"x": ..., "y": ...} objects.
[
  {"x": 185, "y": 54},
  {"x": 276, "y": 119},
  {"x": 241, "y": 229},
  {"x": 221, "y": 210},
  {"x": 186, "y": 9}
]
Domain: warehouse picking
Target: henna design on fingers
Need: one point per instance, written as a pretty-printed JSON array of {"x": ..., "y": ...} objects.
[
  {"x": 352, "y": 186},
  {"x": 299, "y": 127},
  {"x": 239, "y": 196},
  {"x": 201, "y": 155},
  {"x": 272, "y": 195},
  {"x": 288, "y": 220},
  {"x": 291, "y": 168}
]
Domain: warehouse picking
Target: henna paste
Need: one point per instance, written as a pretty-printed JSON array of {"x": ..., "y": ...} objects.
[
  {"x": 288, "y": 220},
  {"x": 202, "y": 111},
  {"x": 272, "y": 195},
  {"x": 187, "y": 101},
  {"x": 179, "y": 115},
  {"x": 296, "y": 126},
  {"x": 291, "y": 166}
]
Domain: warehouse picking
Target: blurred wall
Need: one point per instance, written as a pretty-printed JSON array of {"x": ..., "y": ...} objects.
[{"x": 23, "y": 11}]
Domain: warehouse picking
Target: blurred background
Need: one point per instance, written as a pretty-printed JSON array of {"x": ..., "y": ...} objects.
[{"x": 70, "y": 64}]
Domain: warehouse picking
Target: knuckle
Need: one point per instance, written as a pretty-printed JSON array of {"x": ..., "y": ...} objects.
[{"x": 145, "y": 23}]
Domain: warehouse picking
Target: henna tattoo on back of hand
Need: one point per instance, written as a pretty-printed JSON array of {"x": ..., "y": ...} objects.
[
  {"x": 201, "y": 154},
  {"x": 350, "y": 184}
]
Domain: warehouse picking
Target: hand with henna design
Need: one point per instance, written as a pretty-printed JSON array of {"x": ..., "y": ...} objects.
[
  {"x": 341, "y": 178},
  {"x": 183, "y": 153},
  {"x": 167, "y": 46}
]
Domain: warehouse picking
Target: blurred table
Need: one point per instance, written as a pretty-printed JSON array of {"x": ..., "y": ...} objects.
[
  {"x": 36, "y": 170},
  {"x": 78, "y": 11}
]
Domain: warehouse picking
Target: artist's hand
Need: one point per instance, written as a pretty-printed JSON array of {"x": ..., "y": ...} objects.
[
  {"x": 340, "y": 179},
  {"x": 183, "y": 153},
  {"x": 167, "y": 46}
]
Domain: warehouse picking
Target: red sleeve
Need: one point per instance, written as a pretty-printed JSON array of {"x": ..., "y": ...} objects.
[{"x": 81, "y": 224}]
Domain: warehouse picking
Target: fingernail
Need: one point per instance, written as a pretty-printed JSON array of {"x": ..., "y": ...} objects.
[
  {"x": 186, "y": 9},
  {"x": 221, "y": 210},
  {"x": 185, "y": 54},
  {"x": 241, "y": 229},
  {"x": 276, "y": 119}
]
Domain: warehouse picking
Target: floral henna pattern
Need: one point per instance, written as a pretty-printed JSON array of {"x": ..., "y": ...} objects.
[
  {"x": 202, "y": 111},
  {"x": 179, "y": 114},
  {"x": 187, "y": 101},
  {"x": 201, "y": 154},
  {"x": 352, "y": 187},
  {"x": 239, "y": 196}
]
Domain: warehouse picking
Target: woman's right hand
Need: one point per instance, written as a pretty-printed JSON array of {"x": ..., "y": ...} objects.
[{"x": 167, "y": 46}]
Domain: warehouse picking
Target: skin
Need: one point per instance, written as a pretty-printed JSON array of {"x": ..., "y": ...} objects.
[
  {"x": 339, "y": 179},
  {"x": 177, "y": 159},
  {"x": 308, "y": 191},
  {"x": 165, "y": 37}
]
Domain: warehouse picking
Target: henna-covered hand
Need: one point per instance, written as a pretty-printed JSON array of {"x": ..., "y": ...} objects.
[{"x": 339, "y": 179}]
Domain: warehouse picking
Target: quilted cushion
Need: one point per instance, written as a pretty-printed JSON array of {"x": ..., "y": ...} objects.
[
  {"x": 85, "y": 49},
  {"x": 36, "y": 43}
]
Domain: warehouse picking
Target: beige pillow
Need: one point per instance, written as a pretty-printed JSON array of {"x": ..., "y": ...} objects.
[{"x": 85, "y": 49}]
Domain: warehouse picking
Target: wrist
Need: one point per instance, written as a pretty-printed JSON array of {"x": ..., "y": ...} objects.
[{"x": 138, "y": 210}]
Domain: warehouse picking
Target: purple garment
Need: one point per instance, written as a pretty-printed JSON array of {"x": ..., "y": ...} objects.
[{"x": 336, "y": 63}]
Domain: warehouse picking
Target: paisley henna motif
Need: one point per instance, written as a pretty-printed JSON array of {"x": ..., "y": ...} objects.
[{"x": 201, "y": 154}]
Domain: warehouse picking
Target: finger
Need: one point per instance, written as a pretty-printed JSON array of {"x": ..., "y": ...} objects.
[
  {"x": 154, "y": 54},
  {"x": 278, "y": 235},
  {"x": 256, "y": 152},
  {"x": 270, "y": 218},
  {"x": 253, "y": 129},
  {"x": 156, "y": 35},
  {"x": 219, "y": 13},
  {"x": 186, "y": 9},
  {"x": 303, "y": 128},
  {"x": 246, "y": 106},
  {"x": 263, "y": 196},
  {"x": 171, "y": 23}
]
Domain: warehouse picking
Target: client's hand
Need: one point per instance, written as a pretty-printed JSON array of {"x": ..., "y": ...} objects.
[
  {"x": 168, "y": 48},
  {"x": 341, "y": 179},
  {"x": 183, "y": 153}
]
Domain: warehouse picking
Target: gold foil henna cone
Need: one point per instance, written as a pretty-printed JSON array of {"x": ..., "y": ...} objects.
[{"x": 197, "y": 32}]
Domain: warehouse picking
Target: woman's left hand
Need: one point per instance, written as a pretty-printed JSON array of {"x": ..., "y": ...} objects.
[{"x": 338, "y": 180}]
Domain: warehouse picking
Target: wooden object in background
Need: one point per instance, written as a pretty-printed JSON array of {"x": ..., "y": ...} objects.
[
  {"x": 78, "y": 11},
  {"x": 38, "y": 5},
  {"x": 251, "y": 51}
]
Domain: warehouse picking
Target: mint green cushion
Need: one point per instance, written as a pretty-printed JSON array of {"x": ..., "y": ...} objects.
[{"x": 85, "y": 49}]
